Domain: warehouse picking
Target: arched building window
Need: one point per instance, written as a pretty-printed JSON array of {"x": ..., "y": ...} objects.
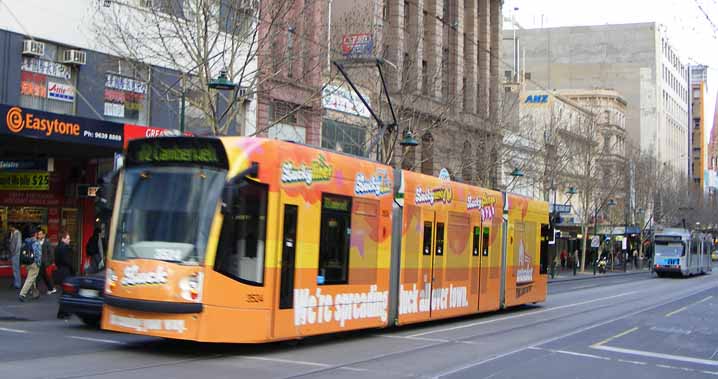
[
  {"x": 427, "y": 154},
  {"x": 466, "y": 163}
]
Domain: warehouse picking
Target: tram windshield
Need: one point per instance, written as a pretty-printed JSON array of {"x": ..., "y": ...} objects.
[
  {"x": 166, "y": 211},
  {"x": 669, "y": 249}
]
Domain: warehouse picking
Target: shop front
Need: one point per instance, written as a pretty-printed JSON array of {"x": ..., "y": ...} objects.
[{"x": 49, "y": 165}]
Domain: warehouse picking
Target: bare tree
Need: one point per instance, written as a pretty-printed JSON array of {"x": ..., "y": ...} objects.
[{"x": 199, "y": 39}]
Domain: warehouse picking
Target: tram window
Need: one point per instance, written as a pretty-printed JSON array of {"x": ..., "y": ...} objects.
[
  {"x": 240, "y": 254},
  {"x": 335, "y": 233},
  {"x": 440, "y": 238},
  {"x": 476, "y": 236},
  {"x": 694, "y": 248},
  {"x": 485, "y": 243},
  {"x": 427, "y": 238}
]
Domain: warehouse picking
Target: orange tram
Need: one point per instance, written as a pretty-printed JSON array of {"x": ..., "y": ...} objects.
[{"x": 252, "y": 240}]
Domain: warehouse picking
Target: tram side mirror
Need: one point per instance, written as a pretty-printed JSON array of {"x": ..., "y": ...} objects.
[{"x": 231, "y": 188}]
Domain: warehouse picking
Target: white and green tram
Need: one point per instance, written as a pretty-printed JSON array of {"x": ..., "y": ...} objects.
[{"x": 680, "y": 251}]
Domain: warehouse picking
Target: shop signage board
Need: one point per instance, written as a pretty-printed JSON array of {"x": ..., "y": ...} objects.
[
  {"x": 55, "y": 127},
  {"x": 24, "y": 181},
  {"x": 23, "y": 164},
  {"x": 357, "y": 45},
  {"x": 61, "y": 92},
  {"x": 32, "y": 84},
  {"x": 137, "y": 131},
  {"x": 125, "y": 84},
  {"x": 45, "y": 67},
  {"x": 344, "y": 100}
]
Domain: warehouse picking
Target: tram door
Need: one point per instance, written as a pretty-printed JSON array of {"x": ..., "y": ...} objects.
[
  {"x": 434, "y": 250},
  {"x": 289, "y": 250},
  {"x": 287, "y": 254},
  {"x": 476, "y": 261}
]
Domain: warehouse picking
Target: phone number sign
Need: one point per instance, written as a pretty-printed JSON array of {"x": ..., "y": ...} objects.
[{"x": 25, "y": 181}]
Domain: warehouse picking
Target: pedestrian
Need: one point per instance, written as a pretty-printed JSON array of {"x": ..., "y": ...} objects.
[
  {"x": 46, "y": 261},
  {"x": 64, "y": 258},
  {"x": 15, "y": 246},
  {"x": 577, "y": 262},
  {"x": 635, "y": 259},
  {"x": 33, "y": 268},
  {"x": 564, "y": 258},
  {"x": 94, "y": 250},
  {"x": 554, "y": 265}
]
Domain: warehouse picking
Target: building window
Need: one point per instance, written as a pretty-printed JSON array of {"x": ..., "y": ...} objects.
[
  {"x": 343, "y": 137},
  {"x": 335, "y": 232},
  {"x": 424, "y": 78},
  {"x": 284, "y": 122},
  {"x": 126, "y": 99},
  {"x": 240, "y": 254},
  {"x": 445, "y": 74},
  {"x": 427, "y": 154},
  {"x": 47, "y": 85}
]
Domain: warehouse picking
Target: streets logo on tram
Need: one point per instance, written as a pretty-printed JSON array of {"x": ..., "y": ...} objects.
[{"x": 254, "y": 240}]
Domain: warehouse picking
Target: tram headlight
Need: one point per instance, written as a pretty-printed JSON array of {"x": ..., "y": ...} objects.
[
  {"x": 110, "y": 280},
  {"x": 191, "y": 287}
]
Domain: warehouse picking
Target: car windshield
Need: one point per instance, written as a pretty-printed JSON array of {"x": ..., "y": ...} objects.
[
  {"x": 666, "y": 249},
  {"x": 166, "y": 212}
]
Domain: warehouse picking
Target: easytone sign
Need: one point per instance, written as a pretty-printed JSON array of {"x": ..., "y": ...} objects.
[{"x": 49, "y": 126}]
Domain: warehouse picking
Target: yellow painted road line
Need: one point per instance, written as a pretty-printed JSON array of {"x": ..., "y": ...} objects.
[
  {"x": 706, "y": 299},
  {"x": 679, "y": 310},
  {"x": 619, "y": 335},
  {"x": 669, "y": 314}
]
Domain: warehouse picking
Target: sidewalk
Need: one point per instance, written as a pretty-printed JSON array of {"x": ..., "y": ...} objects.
[
  {"x": 563, "y": 276},
  {"x": 12, "y": 309}
]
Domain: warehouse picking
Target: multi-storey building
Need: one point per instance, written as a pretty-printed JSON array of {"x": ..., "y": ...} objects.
[
  {"x": 442, "y": 75},
  {"x": 712, "y": 161},
  {"x": 570, "y": 139},
  {"x": 697, "y": 165},
  {"x": 637, "y": 60},
  {"x": 73, "y": 74}
]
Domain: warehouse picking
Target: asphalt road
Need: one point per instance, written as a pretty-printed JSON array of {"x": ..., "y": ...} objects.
[{"x": 634, "y": 326}]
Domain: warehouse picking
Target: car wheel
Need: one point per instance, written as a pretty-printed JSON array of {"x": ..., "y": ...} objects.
[{"x": 93, "y": 321}]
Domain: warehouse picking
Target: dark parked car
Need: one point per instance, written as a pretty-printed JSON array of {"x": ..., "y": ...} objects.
[{"x": 84, "y": 296}]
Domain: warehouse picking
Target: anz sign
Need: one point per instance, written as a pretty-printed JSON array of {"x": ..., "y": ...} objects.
[{"x": 536, "y": 99}]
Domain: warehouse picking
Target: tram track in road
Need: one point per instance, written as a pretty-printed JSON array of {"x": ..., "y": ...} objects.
[
  {"x": 172, "y": 355},
  {"x": 440, "y": 342}
]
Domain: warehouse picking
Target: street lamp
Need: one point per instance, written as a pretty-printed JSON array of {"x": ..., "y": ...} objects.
[
  {"x": 408, "y": 139},
  {"x": 222, "y": 82}
]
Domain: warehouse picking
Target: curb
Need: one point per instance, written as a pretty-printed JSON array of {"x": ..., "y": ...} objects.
[{"x": 597, "y": 276}]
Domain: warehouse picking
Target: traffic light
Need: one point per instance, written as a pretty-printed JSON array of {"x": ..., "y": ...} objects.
[{"x": 105, "y": 195}]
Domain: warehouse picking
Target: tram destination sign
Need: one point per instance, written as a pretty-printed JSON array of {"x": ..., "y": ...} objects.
[{"x": 176, "y": 151}]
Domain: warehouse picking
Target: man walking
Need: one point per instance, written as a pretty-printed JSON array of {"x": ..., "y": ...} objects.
[
  {"x": 46, "y": 261},
  {"x": 15, "y": 247},
  {"x": 33, "y": 269}
]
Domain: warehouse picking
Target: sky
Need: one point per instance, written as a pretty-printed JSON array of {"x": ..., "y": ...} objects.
[{"x": 693, "y": 33}]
